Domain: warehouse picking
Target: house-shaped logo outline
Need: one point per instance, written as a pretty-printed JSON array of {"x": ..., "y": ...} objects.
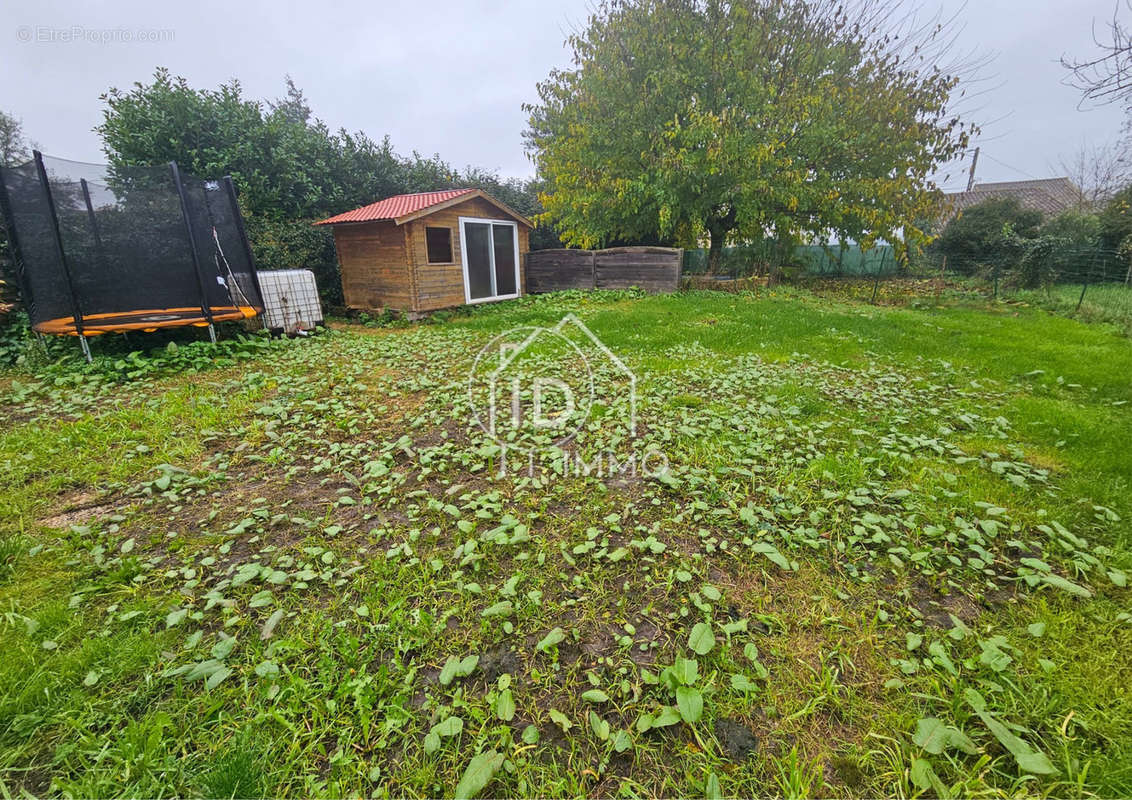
[{"x": 570, "y": 319}]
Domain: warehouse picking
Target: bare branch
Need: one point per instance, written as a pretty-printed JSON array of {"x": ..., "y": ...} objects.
[
  {"x": 1106, "y": 78},
  {"x": 1099, "y": 171}
]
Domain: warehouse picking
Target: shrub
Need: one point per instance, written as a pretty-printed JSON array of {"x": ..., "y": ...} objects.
[
  {"x": 297, "y": 244},
  {"x": 1116, "y": 219},
  {"x": 1075, "y": 228},
  {"x": 1038, "y": 265},
  {"x": 1125, "y": 255},
  {"x": 986, "y": 235},
  {"x": 15, "y": 337}
]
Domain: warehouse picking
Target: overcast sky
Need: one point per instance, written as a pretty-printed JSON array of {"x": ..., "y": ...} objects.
[{"x": 450, "y": 78}]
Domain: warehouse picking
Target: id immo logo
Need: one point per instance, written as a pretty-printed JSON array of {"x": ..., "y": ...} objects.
[{"x": 534, "y": 387}]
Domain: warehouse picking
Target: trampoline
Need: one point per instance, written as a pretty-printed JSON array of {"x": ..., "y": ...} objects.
[{"x": 104, "y": 249}]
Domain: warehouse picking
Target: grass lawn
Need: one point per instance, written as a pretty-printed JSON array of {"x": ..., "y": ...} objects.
[
  {"x": 1105, "y": 302},
  {"x": 888, "y": 557}
]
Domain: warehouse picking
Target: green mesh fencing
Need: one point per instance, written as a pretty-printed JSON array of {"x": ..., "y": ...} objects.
[
  {"x": 757, "y": 259},
  {"x": 851, "y": 261}
]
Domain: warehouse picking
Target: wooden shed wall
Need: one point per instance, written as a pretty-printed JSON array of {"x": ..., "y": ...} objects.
[
  {"x": 439, "y": 286},
  {"x": 375, "y": 271}
]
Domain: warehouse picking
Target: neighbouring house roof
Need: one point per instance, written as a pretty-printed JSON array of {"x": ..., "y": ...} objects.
[
  {"x": 1051, "y": 196},
  {"x": 404, "y": 207}
]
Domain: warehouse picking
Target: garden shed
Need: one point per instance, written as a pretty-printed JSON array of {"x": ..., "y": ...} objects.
[{"x": 431, "y": 250}]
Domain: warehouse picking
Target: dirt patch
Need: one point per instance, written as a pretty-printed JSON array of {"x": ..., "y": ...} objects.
[
  {"x": 737, "y": 740},
  {"x": 937, "y": 609},
  {"x": 844, "y": 771},
  {"x": 996, "y": 599},
  {"x": 597, "y": 644},
  {"x": 78, "y": 509},
  {"x": 496, "y": 662},
  {"x": 647, "y": 633}
]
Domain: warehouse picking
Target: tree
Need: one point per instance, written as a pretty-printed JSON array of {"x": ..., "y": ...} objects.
[
  {"x": 1107, "y": 77},
  {"x": 1116, "y": 219},
  {"x": 289, "y": 167},
  {"x": 287, "y": 164},
  {"x": 745, "y": 120},
  {"x": 1077, "y": 229},
  {"x": 14, "y": 149},
  {"x": 989, "y": 233},
  {"x": 521, "y": 195},
  {"x": 294, "y": 107},
  {"x": 1099, "y": 171}
]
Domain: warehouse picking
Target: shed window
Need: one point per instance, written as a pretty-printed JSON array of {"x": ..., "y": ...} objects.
[{"x": 439, "y": 245}]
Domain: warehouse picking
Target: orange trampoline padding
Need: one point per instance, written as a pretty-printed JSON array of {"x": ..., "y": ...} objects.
[{"x": 145, "y": 320}]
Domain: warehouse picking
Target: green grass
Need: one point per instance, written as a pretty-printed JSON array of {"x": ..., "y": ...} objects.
[
  {"x": 301, "y": 572},
  {"x": 1102, "y": 302}
]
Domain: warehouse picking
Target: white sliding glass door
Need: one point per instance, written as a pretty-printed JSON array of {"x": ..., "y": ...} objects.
[{"x": 489, "y": 251}]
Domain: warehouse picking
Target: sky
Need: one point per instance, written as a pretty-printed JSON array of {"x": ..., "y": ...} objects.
[{"x": 450, "y": 78}]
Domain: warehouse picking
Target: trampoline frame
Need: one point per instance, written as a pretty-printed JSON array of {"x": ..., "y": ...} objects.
[
  {"x": 122, "y": 322},
  {"x": 84, "y": 325}
]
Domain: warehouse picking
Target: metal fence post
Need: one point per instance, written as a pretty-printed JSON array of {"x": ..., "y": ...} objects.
[
  {"x": 939, "y": 285},
  {"x": 93, "y": 222},
  {"x": 1084, "y": 288},
  {"x": 876, "y": 280}
]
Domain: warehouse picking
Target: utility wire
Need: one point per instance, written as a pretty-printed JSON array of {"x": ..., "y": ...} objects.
[{"x": 1008, "y": 166}]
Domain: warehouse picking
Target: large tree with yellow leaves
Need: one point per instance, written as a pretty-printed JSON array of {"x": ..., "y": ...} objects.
[{"x": 747, "y": 119}]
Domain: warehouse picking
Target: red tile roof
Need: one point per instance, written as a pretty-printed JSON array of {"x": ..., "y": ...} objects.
[{"x": 396, "y": 206}]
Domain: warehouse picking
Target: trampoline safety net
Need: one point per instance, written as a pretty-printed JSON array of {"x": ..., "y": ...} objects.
[{"x": 107, "y": 249}]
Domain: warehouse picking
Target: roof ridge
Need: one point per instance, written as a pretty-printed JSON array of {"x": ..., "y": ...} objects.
[
  {"x": 998, "y": 184},
  {"x": 430, "y": 191},
  {"x": 401, "y": 206}
]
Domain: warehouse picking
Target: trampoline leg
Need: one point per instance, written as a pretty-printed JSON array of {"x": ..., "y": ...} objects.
[
  {"x": 42, "y": 341},
  {"x": 86, "y": 349},
  {"x": 212, "y": 332}
]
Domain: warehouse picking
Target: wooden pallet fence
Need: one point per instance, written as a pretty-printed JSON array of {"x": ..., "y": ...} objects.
[
  {"x": 654, "y": 269},
  {"x": 559, "y": 269}
]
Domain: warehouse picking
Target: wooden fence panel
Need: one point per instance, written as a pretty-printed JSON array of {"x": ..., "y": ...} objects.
[
  {"x": 557, "y": 270},
  {"x": 654, "y": 269}
]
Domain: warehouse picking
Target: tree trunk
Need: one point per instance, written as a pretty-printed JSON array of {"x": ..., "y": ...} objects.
[
  {"x": 715, "y": 252},
  {"x": 718, "y": 226}
]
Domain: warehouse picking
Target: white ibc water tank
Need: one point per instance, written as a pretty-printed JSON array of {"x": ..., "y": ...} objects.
[{"x": 290, "y": 299}]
